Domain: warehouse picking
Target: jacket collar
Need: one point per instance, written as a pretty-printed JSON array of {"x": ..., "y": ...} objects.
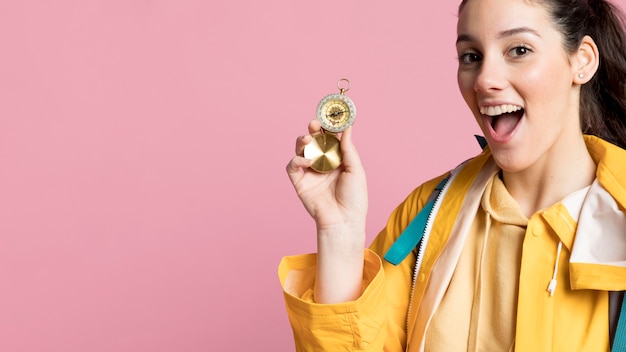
[
  {"x": 598, "y": 257},
  {"x": 611, "y": 170}
]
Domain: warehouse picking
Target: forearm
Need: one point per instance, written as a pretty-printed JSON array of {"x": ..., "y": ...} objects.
[{"x": 340, "y": 260}]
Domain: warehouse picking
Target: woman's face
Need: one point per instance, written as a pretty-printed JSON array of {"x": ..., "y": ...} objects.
[{"x": 517, "y": 79}]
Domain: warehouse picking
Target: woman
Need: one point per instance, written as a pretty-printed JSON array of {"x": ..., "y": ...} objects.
[{"x": 527, "y": 240}]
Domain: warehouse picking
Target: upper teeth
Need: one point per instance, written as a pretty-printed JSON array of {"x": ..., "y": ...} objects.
[{"x": 499, "y": 110}]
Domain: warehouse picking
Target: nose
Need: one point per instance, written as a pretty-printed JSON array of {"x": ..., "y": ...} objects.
[{"x": 491, "y": 76}]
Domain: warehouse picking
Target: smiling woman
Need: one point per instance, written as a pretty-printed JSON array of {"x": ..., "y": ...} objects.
[
  {"x": 508, "y": 251},
  {"x": 520, "y": 61}
]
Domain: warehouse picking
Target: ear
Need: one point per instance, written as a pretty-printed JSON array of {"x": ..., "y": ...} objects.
[{"x": 585, "y": 61}]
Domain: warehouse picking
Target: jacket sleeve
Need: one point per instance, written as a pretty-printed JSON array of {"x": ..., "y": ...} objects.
[
  {"x": 375, "y": 321},
  {"x": 349, "y": 326}
]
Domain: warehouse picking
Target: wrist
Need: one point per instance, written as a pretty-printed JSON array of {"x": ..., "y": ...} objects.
[{"x": 342, "y": 241}]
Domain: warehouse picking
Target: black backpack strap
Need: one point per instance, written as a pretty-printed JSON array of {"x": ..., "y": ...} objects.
[{"x": 617, "y": 321}]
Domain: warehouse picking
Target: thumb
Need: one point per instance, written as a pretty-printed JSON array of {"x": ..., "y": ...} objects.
[{"x": 350, "y": 154}]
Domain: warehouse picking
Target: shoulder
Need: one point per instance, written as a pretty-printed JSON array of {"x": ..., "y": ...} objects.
[{"x": 464, "y": 174}]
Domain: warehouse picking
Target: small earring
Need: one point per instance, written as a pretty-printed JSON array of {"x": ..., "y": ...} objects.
[{"x": 580, "y": 75}]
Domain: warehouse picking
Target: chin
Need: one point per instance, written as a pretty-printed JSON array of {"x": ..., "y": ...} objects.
[{"x": 510, "y": 163}]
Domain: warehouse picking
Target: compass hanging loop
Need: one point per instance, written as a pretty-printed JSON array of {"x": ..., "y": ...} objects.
[{"x": 343, "y": 85}]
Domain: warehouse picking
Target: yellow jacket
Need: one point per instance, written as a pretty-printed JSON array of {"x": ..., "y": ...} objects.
[{"x": 395, "y": 307}]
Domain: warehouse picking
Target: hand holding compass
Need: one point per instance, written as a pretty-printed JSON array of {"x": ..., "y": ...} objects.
[{"x": 335, "y": 112}]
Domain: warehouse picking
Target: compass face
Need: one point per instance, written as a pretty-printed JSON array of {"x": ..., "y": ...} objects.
[{"x": 336, "y": 112}]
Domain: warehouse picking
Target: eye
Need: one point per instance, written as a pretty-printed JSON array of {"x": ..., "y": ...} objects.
[
  {"x": 519, "y": 51},
  {"x": 468, "y": 58}
]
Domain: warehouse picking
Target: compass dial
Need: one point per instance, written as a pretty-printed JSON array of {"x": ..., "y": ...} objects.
[{"x": 336, "y": 112}]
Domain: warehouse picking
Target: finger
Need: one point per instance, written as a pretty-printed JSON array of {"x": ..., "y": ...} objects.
[
  {"x": 315, "y": 127},
  {"x": 301, "y": 142},
  {"x": 295, "y": 168},
  {"x": 350, "y": 154}
]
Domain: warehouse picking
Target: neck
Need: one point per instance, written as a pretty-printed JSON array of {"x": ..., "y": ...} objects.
[{"x": 551, "y": 179}]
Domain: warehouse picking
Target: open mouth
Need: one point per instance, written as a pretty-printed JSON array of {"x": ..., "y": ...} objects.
[{"x": 502, "y": 118}]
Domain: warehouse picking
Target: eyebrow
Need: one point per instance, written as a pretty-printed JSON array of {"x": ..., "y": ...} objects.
[{"x": 507, "y": 33}]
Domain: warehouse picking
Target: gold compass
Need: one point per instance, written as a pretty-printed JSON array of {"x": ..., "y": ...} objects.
[{"x": 336, "y": 112}]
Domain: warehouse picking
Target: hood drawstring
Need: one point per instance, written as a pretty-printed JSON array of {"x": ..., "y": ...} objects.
[{"x": 552, "y": 284}]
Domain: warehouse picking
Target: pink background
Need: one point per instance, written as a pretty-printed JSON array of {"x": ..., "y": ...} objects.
[{"x": 143, "y": 200}]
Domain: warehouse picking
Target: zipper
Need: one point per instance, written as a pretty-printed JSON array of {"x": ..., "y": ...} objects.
[{"x": 425, "y": 236}]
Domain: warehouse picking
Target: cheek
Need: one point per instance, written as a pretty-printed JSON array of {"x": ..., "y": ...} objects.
[
  {"x": 544, "y": 81},
  {"x": 465, "y": 82},
  {"x": 534, "y": 79}
]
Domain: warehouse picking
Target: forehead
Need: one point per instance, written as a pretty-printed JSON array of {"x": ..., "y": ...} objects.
[{"x": 494, "y": 16}]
